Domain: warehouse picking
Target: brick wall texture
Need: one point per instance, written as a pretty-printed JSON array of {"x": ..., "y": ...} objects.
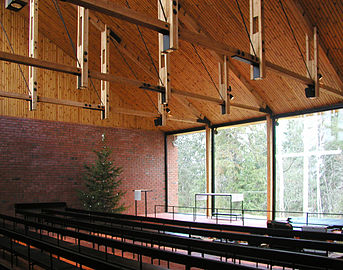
[
  {"x": 42, "y": 161},
  {"x": 172, "y": 172}
]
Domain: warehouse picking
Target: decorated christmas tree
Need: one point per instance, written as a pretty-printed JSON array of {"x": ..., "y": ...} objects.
[{"x": 101, "y": 180}]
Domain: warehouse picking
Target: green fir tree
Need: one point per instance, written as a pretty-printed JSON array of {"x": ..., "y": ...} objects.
[{"x": 101, "y": 179}]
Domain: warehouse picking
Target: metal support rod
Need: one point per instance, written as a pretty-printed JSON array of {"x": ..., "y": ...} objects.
[{"x": 146, "y": 204}]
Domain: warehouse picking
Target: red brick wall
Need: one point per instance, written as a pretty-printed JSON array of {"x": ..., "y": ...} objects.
[
  {"x": 42, "y": 161},
  {"x": 172, "y": 172}
]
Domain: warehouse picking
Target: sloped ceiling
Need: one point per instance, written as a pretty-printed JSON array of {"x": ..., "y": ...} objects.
[{"x": 221, "y": 20}]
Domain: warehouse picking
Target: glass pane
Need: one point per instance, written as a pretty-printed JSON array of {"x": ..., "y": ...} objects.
[
  {"x": 240, "y": 166},
  {"x": 186, "y": 170},
  {"x": 309, "y": 165}
]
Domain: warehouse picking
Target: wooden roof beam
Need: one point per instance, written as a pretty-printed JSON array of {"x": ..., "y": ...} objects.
[
  {"x": 92, "y": 106},
  {"x": 185, "y": 120},
  {"x": 190, "y": 23},
  {"x": 217, "y": 101},
  {"x": 152, "y": 115},
  {"x": 178, "y": 93},
  {"x": 28, "y": 61},
  {"x": 114, "y": 10},
  {"x": 196, "y": 112},
  {"x": 303, "y": 79},
  {"x": 249, "y": 108},
  {"x": 302, "y": 17},
  {"x": 203, "y": 39},
  {"x": 221, "y": 48},
  {"x": 53, "y": 101},
  {"x": 98, "y": 24}
]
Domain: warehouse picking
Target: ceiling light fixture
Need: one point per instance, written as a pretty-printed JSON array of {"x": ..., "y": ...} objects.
[
  {"x": 231, "y": 97},
  {"x": 15, "y": 5},
  {"x": 158, "y": 122},
  {"x": 310, "y": 91},
  {"x": 320, "y": 76}
]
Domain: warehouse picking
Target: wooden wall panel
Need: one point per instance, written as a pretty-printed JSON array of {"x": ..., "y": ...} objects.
[
  {"x": 52, "y": 84},
  {"x": 220, "y": 19}
]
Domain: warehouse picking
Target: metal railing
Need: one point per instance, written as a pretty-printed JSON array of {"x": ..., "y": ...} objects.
[{"x": 243, "y": 214}]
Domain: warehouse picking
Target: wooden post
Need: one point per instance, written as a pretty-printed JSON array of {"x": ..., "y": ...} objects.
[
  {"x": 162, "y": 109},
  {"x": 164, "y": 59},
  {"x": 208, "y": 169},
  {"x": 33, "y": 52},
  {"x": 315, "y": 61},
  {"x": 166, "y": 44},
  {"x": 105, "y": 57},
  {"x": 173, "y": 20},
  {"x": 223, "y": 85},
  {"x": 312, "y": 64},
  {"x": 168, "y": 12},
  {"x": 82, "y": 46},
  {"x": 257, "y": 38},
  {"x": 308, "y": 63},
  {"x": 163, "y": 64},
  {"x": 270, "y": 168}
]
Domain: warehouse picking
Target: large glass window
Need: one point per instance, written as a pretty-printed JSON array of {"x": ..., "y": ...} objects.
[
  {"x": 309, "y": 163},
  {"x": 186, "y": 169},
  {"x": 240, "y": 166}
]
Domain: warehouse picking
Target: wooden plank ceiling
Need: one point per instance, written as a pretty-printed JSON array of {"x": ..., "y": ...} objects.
[{"x": 222, "y": 21}]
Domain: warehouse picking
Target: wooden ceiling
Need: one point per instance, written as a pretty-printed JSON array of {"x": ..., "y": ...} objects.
[{"x": 220, "y": 20}]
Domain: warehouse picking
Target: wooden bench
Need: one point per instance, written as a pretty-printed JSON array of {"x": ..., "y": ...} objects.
[
  {"x": 278, "y": 257},
  {"x": 153, "y": 253},
  {"x": 114, "y": 259},
  {"x": 210, "y": 226},
  {"x": 33, "y": 256},
  {"x": 37, "y": 207},
  {"x": 4, "y": 267},
  {"x": 49, "y": 248}
]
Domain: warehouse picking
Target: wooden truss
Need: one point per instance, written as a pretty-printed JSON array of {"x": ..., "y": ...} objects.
[
  {"x": 257, "y": 38},
  {"x": 301, "y": 16},
  {"x": 167, "y": 43},
  {"x": 112, "y": 9},
  {"x": 78, "y": 104},
  {"x": 169, "y": 33},
  {"x": 223, "y": 85},
  {"x": 312, "y": 63},
  {"x": 33, "y": 52},
  {"x": 105, "y": 61},
  {"x": 192, "y": 24},
  {"x": 199, "y": 117},
  {"x": 82, "y": 46}
]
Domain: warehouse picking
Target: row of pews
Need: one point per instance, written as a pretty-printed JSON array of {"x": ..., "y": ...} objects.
[{"x": 54, "y": 236}]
